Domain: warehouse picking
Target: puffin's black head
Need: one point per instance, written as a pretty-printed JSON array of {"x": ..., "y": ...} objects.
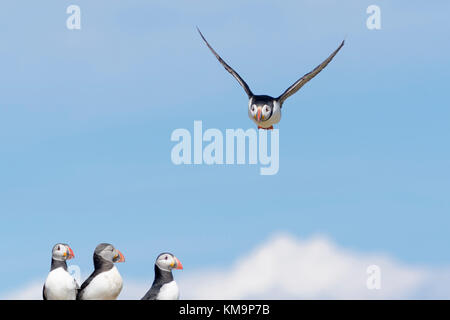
[
  {"x": 167, "y": 261},
  {"x": 62, "y": 252},
  {"x": 107, "y": 252},
  {"x": 261, "y": 108}
]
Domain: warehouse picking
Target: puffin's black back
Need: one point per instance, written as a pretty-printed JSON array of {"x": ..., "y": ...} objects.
[
  {"x": 161, "y": 278},
  {"x": 100, "y": 265}
]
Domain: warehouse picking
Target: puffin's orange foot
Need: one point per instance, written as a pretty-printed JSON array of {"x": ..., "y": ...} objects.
[{"x": 269, "y": 128}]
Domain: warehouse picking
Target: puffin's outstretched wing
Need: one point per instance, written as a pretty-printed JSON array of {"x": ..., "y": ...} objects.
[
  {"x": 228, "y": 68},
  {"x": 301, "y": 82}
]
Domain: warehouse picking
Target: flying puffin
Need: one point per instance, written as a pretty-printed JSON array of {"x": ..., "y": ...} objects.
[
  {"x": 60, "y": 285},
  {"x": 263, "y": 110},
  {"x": 164, "y": 286},
  {"x": 105, "y": 283}
]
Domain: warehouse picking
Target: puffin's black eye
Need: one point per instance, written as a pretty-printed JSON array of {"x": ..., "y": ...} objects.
[{"x": 166, "y": 257}]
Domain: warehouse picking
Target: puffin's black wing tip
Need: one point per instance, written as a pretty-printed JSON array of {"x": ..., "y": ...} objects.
[
  {"x": 201, "y": 34},
  {"x": 227, "y": 67},
  {"x": 307, "y": 77}
]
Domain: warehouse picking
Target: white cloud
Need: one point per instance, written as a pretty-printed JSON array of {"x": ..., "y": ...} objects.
[
  {"x": 32, "y": 291},
  {"x": 285, "y": 267}
]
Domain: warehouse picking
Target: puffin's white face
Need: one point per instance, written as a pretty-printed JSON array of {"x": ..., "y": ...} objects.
[
  {"x": 167, "y": 262},
  {"x": 62, "y": 252},
  {"x": 109, "y": 253},
  {"x": 260, "y": 112}
]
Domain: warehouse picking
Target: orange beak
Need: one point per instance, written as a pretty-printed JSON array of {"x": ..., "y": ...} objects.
[
  {"x": 121, "y": 257},
  {"x": 178, "y": 264},
  {"x": 258, "y": 115},
  {"x": 71, "y": 254}
]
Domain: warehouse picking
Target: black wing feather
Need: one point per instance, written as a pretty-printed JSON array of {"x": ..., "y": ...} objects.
[
  {"x": 153, "y": 292},
  {"x": 86, "y": 283},
  {"x": 303, "y": 80},
  {"x": 228, "y": 68}
]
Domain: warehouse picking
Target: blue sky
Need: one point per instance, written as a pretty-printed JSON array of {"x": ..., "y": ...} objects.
[{"x": 86, "y": 117}]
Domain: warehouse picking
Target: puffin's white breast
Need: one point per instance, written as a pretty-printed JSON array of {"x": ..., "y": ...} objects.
[
  {"x": 105, "y": 286},
  {"x": 169, "y": 291},
  {"x": 60, "y": 285}
]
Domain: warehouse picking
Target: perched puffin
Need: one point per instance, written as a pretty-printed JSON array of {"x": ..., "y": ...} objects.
[
  {"x": 105, "y": 283},
  {"x": 263, "y": 110},
  {"x": 60, "y": 285},
  {"x": 164, "y": 286}
]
